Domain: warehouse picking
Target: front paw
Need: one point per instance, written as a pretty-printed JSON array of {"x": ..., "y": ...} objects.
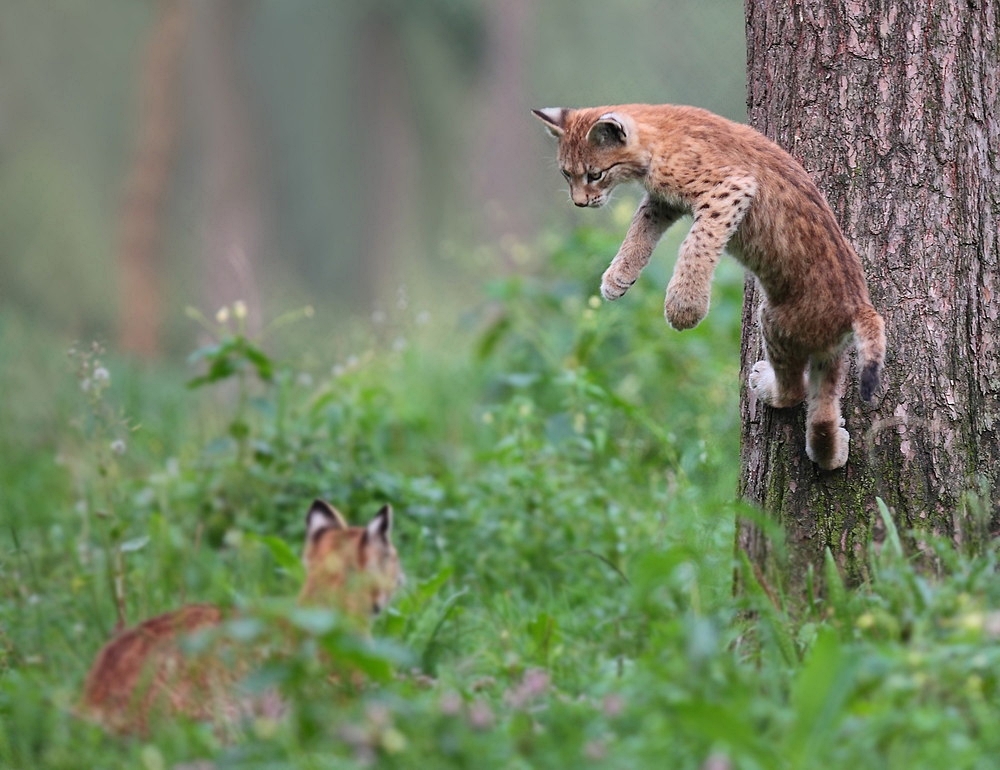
[
  {"x": 684, "y": 311},
  {"x": 615, "y": 282}
]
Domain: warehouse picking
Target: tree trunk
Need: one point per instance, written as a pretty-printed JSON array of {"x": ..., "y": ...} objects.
[
  {"x": 501, "y": 170},
  {"x": 390, "y": 149},
  {"x": 894, "y": 110},
  {"x": 148, "y": 182},
  {"x": 235, "y": 218}
]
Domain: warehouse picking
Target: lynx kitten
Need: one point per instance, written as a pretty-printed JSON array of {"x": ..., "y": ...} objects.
[
  {"x": 745, "y": 192},
  {"x": 147, "y": 670}
]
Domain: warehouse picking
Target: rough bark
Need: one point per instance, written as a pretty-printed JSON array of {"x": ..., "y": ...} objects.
[
  {"x": 148, "y": 182},
  {"x": 894, "y": 110}
]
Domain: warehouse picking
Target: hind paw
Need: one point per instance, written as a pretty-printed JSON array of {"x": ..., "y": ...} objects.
[
  {"x": 764, "y": 383},
  {"x": 761, "y": 381},
  {"x": 829, "y": 452}
]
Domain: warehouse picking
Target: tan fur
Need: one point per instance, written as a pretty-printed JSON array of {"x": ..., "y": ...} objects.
[
  {"x": 159, "y": 669},
  {"x": 745, "y": 192}
]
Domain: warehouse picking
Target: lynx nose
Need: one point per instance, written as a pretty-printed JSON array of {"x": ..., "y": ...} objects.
[{"x": 581, "y": 204}]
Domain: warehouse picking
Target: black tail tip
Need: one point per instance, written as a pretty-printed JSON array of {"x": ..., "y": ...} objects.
[{"x": 869, "y": 380}]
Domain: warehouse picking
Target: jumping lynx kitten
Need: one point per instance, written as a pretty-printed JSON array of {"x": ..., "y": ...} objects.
[
  {"x": 145, "y": 671},
  {"x": 745, "y": 192}
]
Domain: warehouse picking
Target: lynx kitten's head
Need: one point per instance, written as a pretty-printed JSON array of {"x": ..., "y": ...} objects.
[
  {"x": 598, "y": 150},
  {"x": 354, "y": 567}
]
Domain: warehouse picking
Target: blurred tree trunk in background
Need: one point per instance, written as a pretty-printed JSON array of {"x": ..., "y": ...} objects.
[
  {"x": 894, "y": 109},
  {"x": 142, "y": 210},
  {"x": 500, "y": 167},
  {"x": 386, "y": 127},
  {"x": 235, "y": 232}
]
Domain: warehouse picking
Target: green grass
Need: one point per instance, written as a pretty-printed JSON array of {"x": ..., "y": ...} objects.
[{"x": 563, "y": 472}]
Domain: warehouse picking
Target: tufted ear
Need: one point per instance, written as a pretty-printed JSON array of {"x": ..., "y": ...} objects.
[
  {"x": 609, "y": 130},
  {"x": 381, "y": 526},
  {"x": 554, "y": 119},
  {"x": 321, "y": 517}
]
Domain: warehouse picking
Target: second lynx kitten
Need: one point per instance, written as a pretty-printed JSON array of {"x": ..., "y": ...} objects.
[
  {"x": 144, "y": 672},
  {"x": 745, "y": 192}
]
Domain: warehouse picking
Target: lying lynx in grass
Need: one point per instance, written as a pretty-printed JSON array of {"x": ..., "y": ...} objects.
[
  {"x": 146, "y": 672},
  {"x": 745, "y": 191}
]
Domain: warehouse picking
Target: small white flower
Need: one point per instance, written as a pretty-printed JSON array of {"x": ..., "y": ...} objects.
[
  {"x": 101, "y": 376},
  {"x": 240, "y": 309},
  {"x": 222, "y": 315},
  {"x": 118, "y": 446}
]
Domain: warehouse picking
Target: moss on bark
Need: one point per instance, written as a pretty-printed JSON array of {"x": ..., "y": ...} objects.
[{"x": 901, "y": 131}]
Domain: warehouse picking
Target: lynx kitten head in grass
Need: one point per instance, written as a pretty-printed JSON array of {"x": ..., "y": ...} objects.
[
  {"x": 744, "y": 192},
  {"x": 158, "y": 668}
]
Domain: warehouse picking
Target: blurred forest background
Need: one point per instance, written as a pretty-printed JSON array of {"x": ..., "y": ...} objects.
[
  {"x": 159, "y": 155},
  {"x": 563, "y": 470}
]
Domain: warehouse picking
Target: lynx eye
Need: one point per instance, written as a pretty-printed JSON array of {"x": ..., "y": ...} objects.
[
  {"x": 565, "y": 174},
  {"x": 595, "y": 176}
]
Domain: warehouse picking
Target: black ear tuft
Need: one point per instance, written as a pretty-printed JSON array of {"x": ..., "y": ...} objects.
[
  {"x": 554, "y": 119},
  {"x": 321, "y": 517},
  {"x": 608, "y": 131}
]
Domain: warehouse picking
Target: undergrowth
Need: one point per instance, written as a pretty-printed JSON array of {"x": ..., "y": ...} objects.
[{"x": 563, "y": 472}]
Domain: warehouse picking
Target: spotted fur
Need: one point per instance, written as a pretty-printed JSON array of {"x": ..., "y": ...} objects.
[
  {"x": 744, "y": 192},
  {"x": 173, "y": 665}
]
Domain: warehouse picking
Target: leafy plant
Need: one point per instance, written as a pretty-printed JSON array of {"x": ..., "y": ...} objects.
[{"x": 563, "y": 473}]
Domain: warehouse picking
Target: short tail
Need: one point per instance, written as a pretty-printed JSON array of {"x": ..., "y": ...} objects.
[{"x": 869, "y": 335}]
